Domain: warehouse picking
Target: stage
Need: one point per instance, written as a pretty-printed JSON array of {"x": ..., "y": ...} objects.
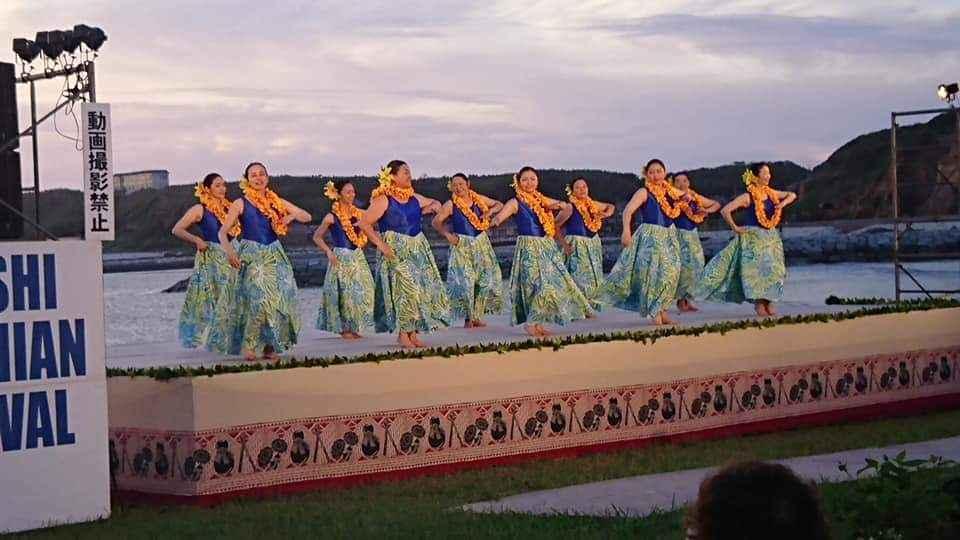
[{"x": 202, "y": 439}]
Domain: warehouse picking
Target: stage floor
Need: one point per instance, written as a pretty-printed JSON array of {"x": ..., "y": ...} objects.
[{"x": 317, "y": 344}]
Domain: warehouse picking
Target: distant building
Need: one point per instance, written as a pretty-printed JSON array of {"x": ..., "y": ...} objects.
[{"x": 129, "y": 182}]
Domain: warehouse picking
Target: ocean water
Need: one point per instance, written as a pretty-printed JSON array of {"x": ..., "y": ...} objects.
[{"x": 137, "y": 311}]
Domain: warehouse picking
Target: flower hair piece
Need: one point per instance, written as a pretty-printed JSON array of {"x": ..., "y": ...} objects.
[
  {"x": 516, "y": 182},
  {"x": 568, "y": 190},
  {"x": 749, "y": 178},
  {"x": 450, "y": 186},
  {"x": 200, "y": 190},
  {"x": 384, "y": 177},
  {"x": 244, "y": 183},
  {"x": 330, "y": 190}
]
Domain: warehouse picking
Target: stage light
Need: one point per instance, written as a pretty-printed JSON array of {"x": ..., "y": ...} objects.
[
  {"x": 71, "y": 41},
  {"x": 90, "y": 36},
  {"x": 51, "y": 43},
  {"x": 948, "y": 92},
  {"x": 27, "y": 50}
]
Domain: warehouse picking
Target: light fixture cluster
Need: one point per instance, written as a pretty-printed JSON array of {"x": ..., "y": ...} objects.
[{"x": 59, "y": 49}]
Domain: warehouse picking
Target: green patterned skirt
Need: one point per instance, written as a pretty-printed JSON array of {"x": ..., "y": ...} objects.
[
  {"x": 585, "y": 264},
  {"x": 409, "y": 294},
  {"x": 212, "y": 278},
  {"x": 474, "y": 280},
  {"x": 264, "y": 311},
  {"x": 749, "y": 268},
  {"x": 646, "y": 274},
  {"x": 346, "y": 304},
  {"x": 541, "y": 288},
  {"x": 691, "y": 263}
]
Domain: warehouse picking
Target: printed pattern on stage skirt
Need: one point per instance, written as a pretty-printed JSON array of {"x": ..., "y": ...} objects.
[
  {"x": 585, "y": 264},
  {"x": 646, "y": 274},
  {"x": 266, "y": 299},
  {"x": 751, "y": 267},
  {"x": 409, "y": 293},
  {"x": 474, "y": 280},
  {"x": 346, "y": 303},
  {"x": 691, "y": 263},
  {"x": 212, "y": 278},
  {"x": 541, "y": 288}
]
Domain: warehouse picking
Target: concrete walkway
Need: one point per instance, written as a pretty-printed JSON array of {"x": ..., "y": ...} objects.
[{"x": 639, "y": 496}]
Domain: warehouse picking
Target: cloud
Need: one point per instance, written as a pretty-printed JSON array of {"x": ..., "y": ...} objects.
[{"x": 341, "y": 88}]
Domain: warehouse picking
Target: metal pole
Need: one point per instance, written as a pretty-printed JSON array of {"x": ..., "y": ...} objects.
[
  {"x": 36, "y": 158},
  {"x": 13, "y": 142},
  {"x": 91, "y": 82},
  {"x": 896, "y": 205}
]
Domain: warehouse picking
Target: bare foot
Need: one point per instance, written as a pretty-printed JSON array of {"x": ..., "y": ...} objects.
[
  {"x": 665, "y": 318},
  {"x": 532, "y": 330},
  {"x": 770, "y": 311},
  {"x": 760, "y": 309},
  {"x": 543, "y": 331},
  {"x": 468, "y": 324},
  {"x": 249, "y": 356},
  {"x": 479, "y": 324},
  {"x": 405, "y": 342},
  {"x": 691, "y": 306},
  {"x": 591, "y": 315},
  {"x": 686, "y": 306},
  {"x": 416, "y": 340}
]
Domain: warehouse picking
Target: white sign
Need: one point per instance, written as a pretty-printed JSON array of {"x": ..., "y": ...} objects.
[
  {"x": 98, "y": 200},
  {"x": 54, "y": 466}
]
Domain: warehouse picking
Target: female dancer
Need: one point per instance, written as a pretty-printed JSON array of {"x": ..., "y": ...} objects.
[
  {"x": 646, "y": 274},
  {"x": 540, "y": 285},
  {"x": 212, "y": 275},
  {"x": 580, "y": 222},
  {"x": 751, "y": 268},
  {"x": 409, "y": 293},
  {"x": 268, "y": 316},
  {"x": 346, "y": 306},
  {"x": 692, "y": 213},
  {"x": 474, "y": 281}
]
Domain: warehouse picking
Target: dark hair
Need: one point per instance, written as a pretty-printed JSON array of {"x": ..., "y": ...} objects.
[
  {"x": 252, "y": 165},
  {"x": 669, "y": 176},
  {"x": 651, "y": 162},
  {"x": 577, "y": 179},
  {"x": 395, "y": 165},
  {"x": 756, "y": 500},
  {"x": 340, "y": 184},
  {"x": 755, "y": 167},
  {"x": 526, "y": 168},
  {"x": 460, "y": 175},
  {"x": 208, "y": 179}
]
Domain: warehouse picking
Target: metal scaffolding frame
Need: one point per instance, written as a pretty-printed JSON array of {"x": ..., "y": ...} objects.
[{"x": 901, "y": 223}]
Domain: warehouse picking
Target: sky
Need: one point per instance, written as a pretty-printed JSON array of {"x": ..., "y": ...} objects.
[{"x": 340, "y": 88}]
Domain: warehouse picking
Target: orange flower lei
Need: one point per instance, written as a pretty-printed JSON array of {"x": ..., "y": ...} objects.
[
  {"x": 217, "y": 207},
  {"x": 465, "y": 205},
  {"x": 659, "y": 191},
  {"x": 589, "y": 210},
  {"x": 344, "y": 213},
  {"x": 269, "y": 204},
  {"x": 696, "y": 217},
  {"x": 760, "y": 194},
  {"x": 386, "y": 187},
  {"x": 537, "y": 203}
]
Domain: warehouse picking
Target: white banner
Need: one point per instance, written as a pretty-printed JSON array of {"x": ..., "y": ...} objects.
[
  {"x": 98, "y": 196},
  {"x": 54, "y": 467}
]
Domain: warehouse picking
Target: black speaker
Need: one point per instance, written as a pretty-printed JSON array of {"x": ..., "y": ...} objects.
[
  {"x": 11, "y": 190},
  {"x": 11, "y": 225},
  {"x": 8, "y": 104}
]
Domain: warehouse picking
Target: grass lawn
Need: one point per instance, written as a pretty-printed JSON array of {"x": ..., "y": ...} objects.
[{"x": 421, "y": 507}]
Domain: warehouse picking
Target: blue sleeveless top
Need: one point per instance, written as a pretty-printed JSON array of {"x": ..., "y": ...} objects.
[
  {"x": 575, "y": 226},
  {"x": 651, "y": 212},
  {"x": 528, "y": 224},
  {"x": 462, "y": 225},
  {"x": 750, "y": 220},
  {"x": 402, "y": 218},
  {"x": 255, "y": 226},
  {"x": 209, "y": 227},
  {"x": 338, "y": 236},
  {"x": 683, "y": 222}
]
